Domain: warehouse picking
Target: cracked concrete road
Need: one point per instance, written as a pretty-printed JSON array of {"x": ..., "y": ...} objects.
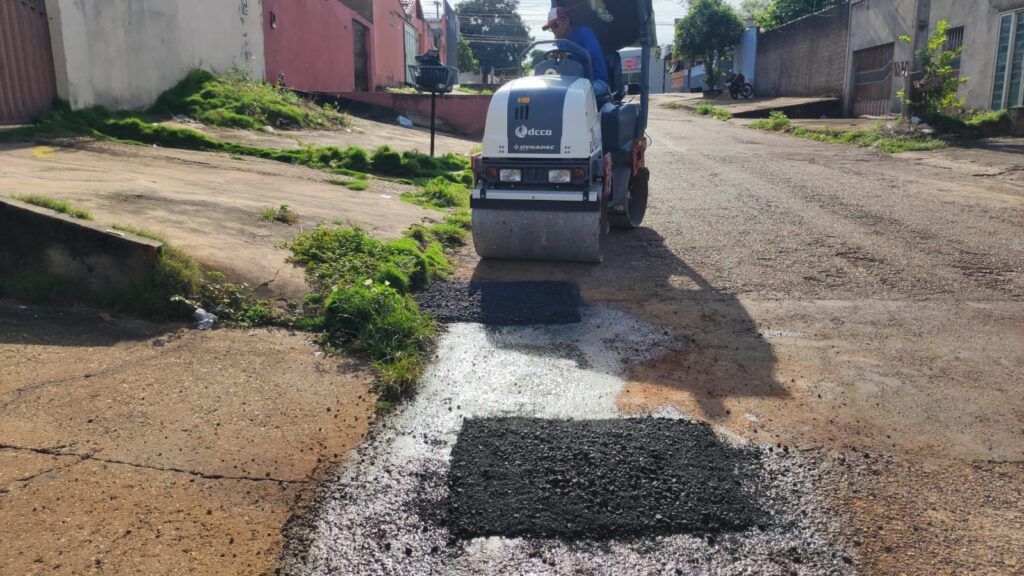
[
  {"x": 131, "y": 448},
  {"x": 843, "y": 302}
]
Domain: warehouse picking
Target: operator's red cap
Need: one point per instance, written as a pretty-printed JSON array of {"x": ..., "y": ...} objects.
[{"x": 553, "y": 15}]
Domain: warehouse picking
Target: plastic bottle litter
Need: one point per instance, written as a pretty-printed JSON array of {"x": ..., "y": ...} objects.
[
  {"x": 405, "y": 121},
  {"x": 204, "y": 320}
]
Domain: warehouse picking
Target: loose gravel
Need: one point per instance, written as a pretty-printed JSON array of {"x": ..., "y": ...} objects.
[
  {"x": 503, "y": 303},
  {"x": 597, "y": 479},
  {"x": 369, "y": 516}
]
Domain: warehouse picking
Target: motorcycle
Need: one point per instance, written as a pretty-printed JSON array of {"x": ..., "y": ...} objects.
[{"x": 738, "y": 87}]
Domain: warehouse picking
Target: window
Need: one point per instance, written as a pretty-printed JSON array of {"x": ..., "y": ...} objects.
[
  {"x": 1008, "y": 84},
  {"x": 955, "y": 41}
]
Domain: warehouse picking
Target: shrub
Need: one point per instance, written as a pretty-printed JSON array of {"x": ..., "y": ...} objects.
[{"x": 387, "y": 161}]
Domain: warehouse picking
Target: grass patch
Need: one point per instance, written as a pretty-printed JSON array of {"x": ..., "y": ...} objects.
[
  {"x": 237, "y": 101},
  {"x": 282, "y": 214},
  {"x": 440, "y": 194},
  {"x": 53, "y": 204},
  {"x": 357, "y": 185},
  {"x": 484, "y": 92},
  {"x": 776, "y": 121},
  {"x": 707, "y": 109},
  {"x": 887, "y": 139},
  {"x": 364, "y": 286}
]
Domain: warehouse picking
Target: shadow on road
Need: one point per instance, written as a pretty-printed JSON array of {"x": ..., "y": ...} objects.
[
  {"x": 722, "y": 354},
  {"x": 45, "y": 326}
]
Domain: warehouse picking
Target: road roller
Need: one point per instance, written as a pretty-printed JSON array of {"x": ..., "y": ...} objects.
[{"x": 563, "y": 157}]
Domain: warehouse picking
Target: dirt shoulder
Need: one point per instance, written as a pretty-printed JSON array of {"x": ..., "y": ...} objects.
[
  {"x": 362, "y": 132},
  {"x": 206, "y": 203},
  {"x": 128, "y": 447}
]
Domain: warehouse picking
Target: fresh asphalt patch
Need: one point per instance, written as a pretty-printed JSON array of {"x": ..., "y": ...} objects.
[
  {"x": 503, "y": 303},
  {"x": 597, "y": 479}
]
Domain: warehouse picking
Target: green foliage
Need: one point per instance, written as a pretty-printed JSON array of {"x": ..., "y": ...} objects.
[
  {"x": 776, "y": 121},
  {"x": 707, "y": 109},
  {"x": 708, "y": 32},
  {"x": 467, "y": 61},
  {"x": 53, "y": 204},
  {"x": 935, "y": 93},
  {"x": 754, "y": 8},
  {"x": 237, "y": 101},
  {"x": 439, "y": 193},
  {"x": 482, "y": 19},
  {"x": 357, "y": 185},
  {"x": 882, "y": 138},
  {"x": 282, "y": 214},
  {"x": 387, "y": 326},
  {"x": 780, "y": 12},
  {"x": 387, "y": 160}
]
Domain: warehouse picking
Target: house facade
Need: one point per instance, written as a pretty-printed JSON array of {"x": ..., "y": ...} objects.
[{"x": 991, "y": 33}]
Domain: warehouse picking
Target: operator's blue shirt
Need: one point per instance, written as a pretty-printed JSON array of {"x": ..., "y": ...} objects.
[{"x": 585, "y": 37}]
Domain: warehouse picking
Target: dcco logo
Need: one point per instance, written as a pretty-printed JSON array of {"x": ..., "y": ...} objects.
[{"x": 523, "y": 132}]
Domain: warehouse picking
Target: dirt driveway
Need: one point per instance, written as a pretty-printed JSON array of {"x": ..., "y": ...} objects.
[{"x": 208, "y": 204}]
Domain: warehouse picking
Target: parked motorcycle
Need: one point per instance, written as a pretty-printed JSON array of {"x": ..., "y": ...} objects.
[{"x": 739, "y": 87}]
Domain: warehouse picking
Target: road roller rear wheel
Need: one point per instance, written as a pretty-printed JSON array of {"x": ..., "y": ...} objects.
[{"x": 636, "y": 205}]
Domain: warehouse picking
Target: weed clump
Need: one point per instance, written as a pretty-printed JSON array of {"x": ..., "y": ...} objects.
[
  {"x": 708, "y": 109},
  {"x": 776, "y": 121},
  {"x": 53, "y": 204},
  {"x": 237, "y": 101},
  {"x": 440, "y": 193},
  {"x": 282, "y": 214}
]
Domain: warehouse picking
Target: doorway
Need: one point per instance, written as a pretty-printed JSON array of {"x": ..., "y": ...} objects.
[{"x": 360, "y": 34}]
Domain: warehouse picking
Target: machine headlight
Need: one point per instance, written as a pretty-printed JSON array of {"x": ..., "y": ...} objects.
[
  {"x": 511, "y": 175},
  {"x": 559, "y": 176}
]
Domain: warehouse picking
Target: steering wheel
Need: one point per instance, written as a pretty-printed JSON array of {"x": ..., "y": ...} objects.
[{"x": 557, "y": 55}]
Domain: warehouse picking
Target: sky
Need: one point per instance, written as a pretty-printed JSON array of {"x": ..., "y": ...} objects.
[{"x": 534, "y": 14}]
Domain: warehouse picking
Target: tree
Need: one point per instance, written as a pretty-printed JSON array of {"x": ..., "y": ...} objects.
[
  {"x": 935, "y": 93},
  {"x": 781, "y": 12},
  {"x": 708, "y": 32},
  {"x": 467, "y": 61},
  {"x": 495, "y": 32},
  {"x": 754, "y": 8}
]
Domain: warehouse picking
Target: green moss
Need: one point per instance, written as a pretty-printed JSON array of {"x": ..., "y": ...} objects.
[
  {"x": 53, "y": 204},
  {"x": 237, "y": 101}
]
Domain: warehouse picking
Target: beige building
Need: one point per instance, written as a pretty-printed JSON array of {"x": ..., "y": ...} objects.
[
  {"x": 991, "y": 32},
  {"x": 124, "y": 53}
]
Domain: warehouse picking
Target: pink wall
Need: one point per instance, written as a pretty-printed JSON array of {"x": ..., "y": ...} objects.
[
  {"x": 461, "y": 113},
  {"x": 388, "y": 43},
  {"x": 310, "y": 41}
]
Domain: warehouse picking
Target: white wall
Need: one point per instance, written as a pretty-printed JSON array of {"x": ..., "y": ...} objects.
[{"x": 124, "y": 53}]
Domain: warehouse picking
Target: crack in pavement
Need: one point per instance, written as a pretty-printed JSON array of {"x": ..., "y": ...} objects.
[{"x": 90, "y": 456}]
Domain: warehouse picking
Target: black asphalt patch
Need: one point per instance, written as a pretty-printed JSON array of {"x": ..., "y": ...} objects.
[
  {"x": 503, "y": 303},
  {"x": 597, "y": 479}
]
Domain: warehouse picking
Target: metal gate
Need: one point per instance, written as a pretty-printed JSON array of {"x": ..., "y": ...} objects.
[
  {"x": 873, "y": 81},
  {"x": 27, "y": 85}
]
